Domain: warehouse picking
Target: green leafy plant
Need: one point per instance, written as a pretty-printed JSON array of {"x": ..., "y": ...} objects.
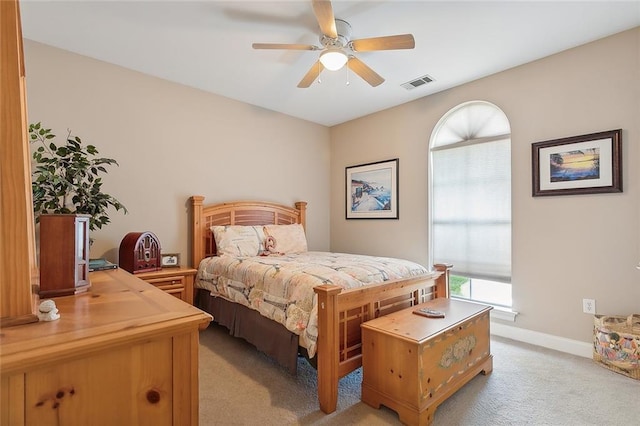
[
  {"x": 455, "y": 284},
  {"x": 66, "y": 179}
]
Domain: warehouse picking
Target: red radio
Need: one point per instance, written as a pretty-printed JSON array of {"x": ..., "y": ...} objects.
[{"x": 140, "y": 252}]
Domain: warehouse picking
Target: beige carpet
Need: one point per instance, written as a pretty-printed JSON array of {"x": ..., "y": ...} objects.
[{"x": 529, "y": 386}]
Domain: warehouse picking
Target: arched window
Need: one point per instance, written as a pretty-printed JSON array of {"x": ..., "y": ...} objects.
[{"x": 470, "y": 201}]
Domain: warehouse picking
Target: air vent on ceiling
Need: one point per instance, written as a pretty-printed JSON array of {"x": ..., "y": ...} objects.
[{"x": 420, "y": 81}]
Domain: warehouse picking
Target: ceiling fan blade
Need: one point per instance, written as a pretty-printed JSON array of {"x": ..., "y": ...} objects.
[
  {"x": 310, "y": 77},
  {"x": 401, "y": 41},
  {"x": 324, "y": 14},
  {"x": 284, "y": 46},
  {"x": 367, "y": 74}
]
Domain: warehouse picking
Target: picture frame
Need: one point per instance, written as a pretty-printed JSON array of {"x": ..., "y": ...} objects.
[
  {"x": 372, "y": 190},
  {"x": 170, "y": 260},
  {"x": 585, "y": 164}
]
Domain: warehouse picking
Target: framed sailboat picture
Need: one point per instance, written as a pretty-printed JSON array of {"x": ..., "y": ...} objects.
[{"x": 372, "y": 190}]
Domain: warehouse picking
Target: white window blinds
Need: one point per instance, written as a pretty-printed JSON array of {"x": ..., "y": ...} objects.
[{"x": 471, "y": 192}]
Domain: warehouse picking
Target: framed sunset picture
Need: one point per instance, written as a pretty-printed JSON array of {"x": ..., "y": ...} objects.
[{"x": 586, "y": 164}]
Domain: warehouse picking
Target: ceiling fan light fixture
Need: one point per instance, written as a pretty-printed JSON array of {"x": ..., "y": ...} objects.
[{"x": 333, "y": 59}]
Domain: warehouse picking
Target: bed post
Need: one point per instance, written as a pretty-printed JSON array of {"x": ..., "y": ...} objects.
[
  {"x": 328, "y": 352},
  {"x": 442, "y": 282},
  {"x": 302, "y": 208},
  {"x": 197, "y": 248}
]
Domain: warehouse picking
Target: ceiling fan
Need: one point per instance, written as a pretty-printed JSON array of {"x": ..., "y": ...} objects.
[{"x": 338, "y": 49}]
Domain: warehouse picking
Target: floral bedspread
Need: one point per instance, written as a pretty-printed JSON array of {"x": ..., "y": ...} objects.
[{"x": 281, "y": 287}]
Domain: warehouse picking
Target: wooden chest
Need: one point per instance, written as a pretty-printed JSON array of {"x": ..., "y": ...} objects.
[{"x": 411, "y": 364}]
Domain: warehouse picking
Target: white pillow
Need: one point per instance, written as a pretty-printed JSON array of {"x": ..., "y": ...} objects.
[
  {"x": 288, "y": 238},
  {"x": 238, "y": 240}
]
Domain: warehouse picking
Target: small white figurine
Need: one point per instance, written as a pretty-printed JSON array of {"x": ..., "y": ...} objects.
[{"x": 47, "y": 311}]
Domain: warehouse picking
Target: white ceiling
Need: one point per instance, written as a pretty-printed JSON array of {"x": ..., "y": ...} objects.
[{"x": 207, "y": 44}]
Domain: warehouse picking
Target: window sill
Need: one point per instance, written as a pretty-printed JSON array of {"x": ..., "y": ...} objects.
[
  {"x": 504, "y": 314},
  {"x": 498, "y": 312}
]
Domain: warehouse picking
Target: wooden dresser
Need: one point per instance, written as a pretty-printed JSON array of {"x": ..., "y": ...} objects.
[
  {"x": 123, "y": 353},
  {"x": 175, "y": 281}
]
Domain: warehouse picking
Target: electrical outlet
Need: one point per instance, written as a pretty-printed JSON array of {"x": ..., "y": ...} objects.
[{"x": 589, "y": 306}]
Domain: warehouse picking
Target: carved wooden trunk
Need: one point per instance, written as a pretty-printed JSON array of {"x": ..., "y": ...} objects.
[{"x": 411, "y": 364}]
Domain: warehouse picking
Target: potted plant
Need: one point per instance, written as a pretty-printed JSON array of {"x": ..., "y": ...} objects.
[{"x": 66, "y": 178}]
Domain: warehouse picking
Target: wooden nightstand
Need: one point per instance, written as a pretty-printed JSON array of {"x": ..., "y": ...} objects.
[{"x": 175, "y": 281}]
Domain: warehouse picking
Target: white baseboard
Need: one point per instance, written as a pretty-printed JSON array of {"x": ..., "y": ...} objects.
[{"x": 549, "y": 341}]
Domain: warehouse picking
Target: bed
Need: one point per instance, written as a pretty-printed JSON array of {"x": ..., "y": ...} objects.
[{"x": 338, "y": 310}]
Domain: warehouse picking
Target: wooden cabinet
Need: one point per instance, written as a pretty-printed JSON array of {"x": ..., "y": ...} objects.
[
  {"x": 64, "y": 254},
  {"x": 123, "y": 353},
  {"x": 175, "y": 281},
  {"x": 411, "y": 364}
]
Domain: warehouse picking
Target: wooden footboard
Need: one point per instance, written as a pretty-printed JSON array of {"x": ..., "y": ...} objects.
[{"x": 341, "y": 312}]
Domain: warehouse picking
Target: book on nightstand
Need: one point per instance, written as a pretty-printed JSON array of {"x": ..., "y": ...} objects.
[{"x": 101, "y": 265}]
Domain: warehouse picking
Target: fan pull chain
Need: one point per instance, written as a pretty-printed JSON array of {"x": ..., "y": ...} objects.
[{"x": 347, "y": 68}]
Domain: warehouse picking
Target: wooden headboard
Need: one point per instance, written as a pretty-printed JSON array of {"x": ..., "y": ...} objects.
[{"x": 235, "y": 213}]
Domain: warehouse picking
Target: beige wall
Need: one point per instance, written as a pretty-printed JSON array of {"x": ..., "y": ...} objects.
[
  {"x": 565, "y": 248},
  {"x": 172, "y": 141}
]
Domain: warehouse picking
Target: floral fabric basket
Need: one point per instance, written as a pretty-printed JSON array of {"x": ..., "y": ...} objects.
[{"x": 616, "y": 343}]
